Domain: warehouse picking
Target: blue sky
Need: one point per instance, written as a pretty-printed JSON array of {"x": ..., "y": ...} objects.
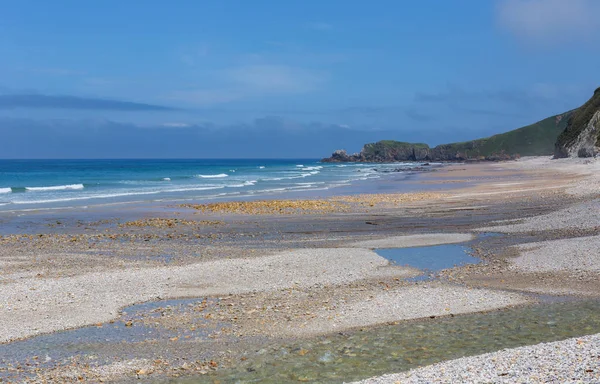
[{"x": 427, "y": 70}]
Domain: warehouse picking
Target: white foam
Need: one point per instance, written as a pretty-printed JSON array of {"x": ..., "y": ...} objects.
[
  {"x": 312, "y": 168},
  {"x": 296, "y": 176},
  {"x": 245, "y": 184},
  {"x": 291, "y": 188},
  {"x": 166, "y": 179},
  {"x": 56, "y": 188},
  {"x": 261, "y": 167},
  {"x": 299, "y": 165},
  {"x": 213, "y": 176},
  {"x": 303, "y": 175},
  {"x": 5, "y": 190},
  {"x": 111, "y": 195}
]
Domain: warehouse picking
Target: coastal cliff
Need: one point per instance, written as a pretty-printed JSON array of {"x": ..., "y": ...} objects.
[
  {"x": 581, "y": 137},
  {"x": 537, "y": 139},
  {"x": 574, "y": 133}
]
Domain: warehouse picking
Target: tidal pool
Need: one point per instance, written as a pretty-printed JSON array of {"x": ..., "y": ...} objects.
[
  {"x": 431, "y": 260},
  {"x": 394, "y": 348}
]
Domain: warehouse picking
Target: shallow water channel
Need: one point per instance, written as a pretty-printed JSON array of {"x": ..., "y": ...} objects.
[
  {"x": 395, "y": 348},
  {"x": 431, "y": 260}
]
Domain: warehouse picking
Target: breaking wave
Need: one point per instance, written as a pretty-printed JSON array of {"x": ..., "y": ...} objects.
[
  {"x": 56, "y": 188},
  {"x": 213, "y": 176}
]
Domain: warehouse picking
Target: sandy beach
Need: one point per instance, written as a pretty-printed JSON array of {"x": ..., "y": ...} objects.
[{"x": 273, "y": 272}]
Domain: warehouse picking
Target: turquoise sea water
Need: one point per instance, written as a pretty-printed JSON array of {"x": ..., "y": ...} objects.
[{"x": 32, "y": 184}]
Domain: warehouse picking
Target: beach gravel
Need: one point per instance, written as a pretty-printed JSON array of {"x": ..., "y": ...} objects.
[
  {"x": 32, "y": 306},
  {"x": 425, "y": 300},
  {"x": 578, "y": 216},
  {"x": 575, "y": 254},
  {"x": 574, "y": 360}
]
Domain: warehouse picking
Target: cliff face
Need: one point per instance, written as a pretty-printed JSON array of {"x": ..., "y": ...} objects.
[{"x": 581, "y": 137}]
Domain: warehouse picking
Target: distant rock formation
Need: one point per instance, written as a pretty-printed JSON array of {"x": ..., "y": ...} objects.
[
  {"x": 390, "y": 151},
  {"x": 581, "y": 137}
]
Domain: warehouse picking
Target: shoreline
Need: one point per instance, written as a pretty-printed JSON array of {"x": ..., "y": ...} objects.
[
  {"x": 293, "y": 259},
  {"x": 314, "y": 190}
]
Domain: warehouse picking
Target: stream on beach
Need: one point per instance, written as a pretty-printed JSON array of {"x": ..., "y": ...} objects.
[
  {"x": 376, "y": 351},
  {"x": 335, "y": 358}
]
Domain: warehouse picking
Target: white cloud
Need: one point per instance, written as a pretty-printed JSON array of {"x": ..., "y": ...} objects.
[
  {"x": 206, "y": 96},
  {"x": 176, "y": 125},
  {"x": 274, "y": 78},
  {"x": 252, "y": 81},
  {"x": 550, "y": 21}
]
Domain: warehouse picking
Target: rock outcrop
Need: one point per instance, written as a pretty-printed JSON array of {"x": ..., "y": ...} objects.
[
  {"x": 391, "y": 151},
  {"x": 581, "y": 137}
]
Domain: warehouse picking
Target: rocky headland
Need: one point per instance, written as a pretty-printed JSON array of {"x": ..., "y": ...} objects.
[
  {"x": 574, "y": 133},
  {"x": 390, "y": 151}
]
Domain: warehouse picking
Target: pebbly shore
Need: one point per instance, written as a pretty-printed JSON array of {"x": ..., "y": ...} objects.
[{"x": 280, "y": 270}]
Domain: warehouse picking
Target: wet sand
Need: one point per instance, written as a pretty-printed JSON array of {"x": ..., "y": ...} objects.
[{"x": 280, "y": 270}]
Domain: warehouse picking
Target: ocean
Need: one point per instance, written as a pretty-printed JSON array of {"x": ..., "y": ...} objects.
[{"x": 34, "y": 184}]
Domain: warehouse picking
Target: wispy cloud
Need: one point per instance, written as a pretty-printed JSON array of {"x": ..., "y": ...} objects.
[
  {"x": 454, "y": 95},
  {"x": 99, "y": 82},
  {"x": 251, "y": 81},
  {"x": 549, "y": 21},
  {"x": 416, "y": 115},
  {"x": 191, "y": 56},
  {"x": 319, "y": 26},
  {"x": 175, "y": 125},
  {"x": 57, "y": 71},
  {"x": 37, "y": 101},
  {"x": 275, "y": 78},
  {"x": 206, "y": 97}
]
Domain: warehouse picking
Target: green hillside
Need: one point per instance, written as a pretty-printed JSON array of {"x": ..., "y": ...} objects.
[
  {"x": 537, "y": 139},
  {"x": 533, "y": 140}
]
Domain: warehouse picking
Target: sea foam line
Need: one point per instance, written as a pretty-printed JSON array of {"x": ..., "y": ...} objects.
[
  {"x": 213, "y": 176},
  {"x": 56, "y": 188},
  {"x": 245, "y": 184},
  {"x": 111, "y": 195},
  {"x": 5, "y": 190}
]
